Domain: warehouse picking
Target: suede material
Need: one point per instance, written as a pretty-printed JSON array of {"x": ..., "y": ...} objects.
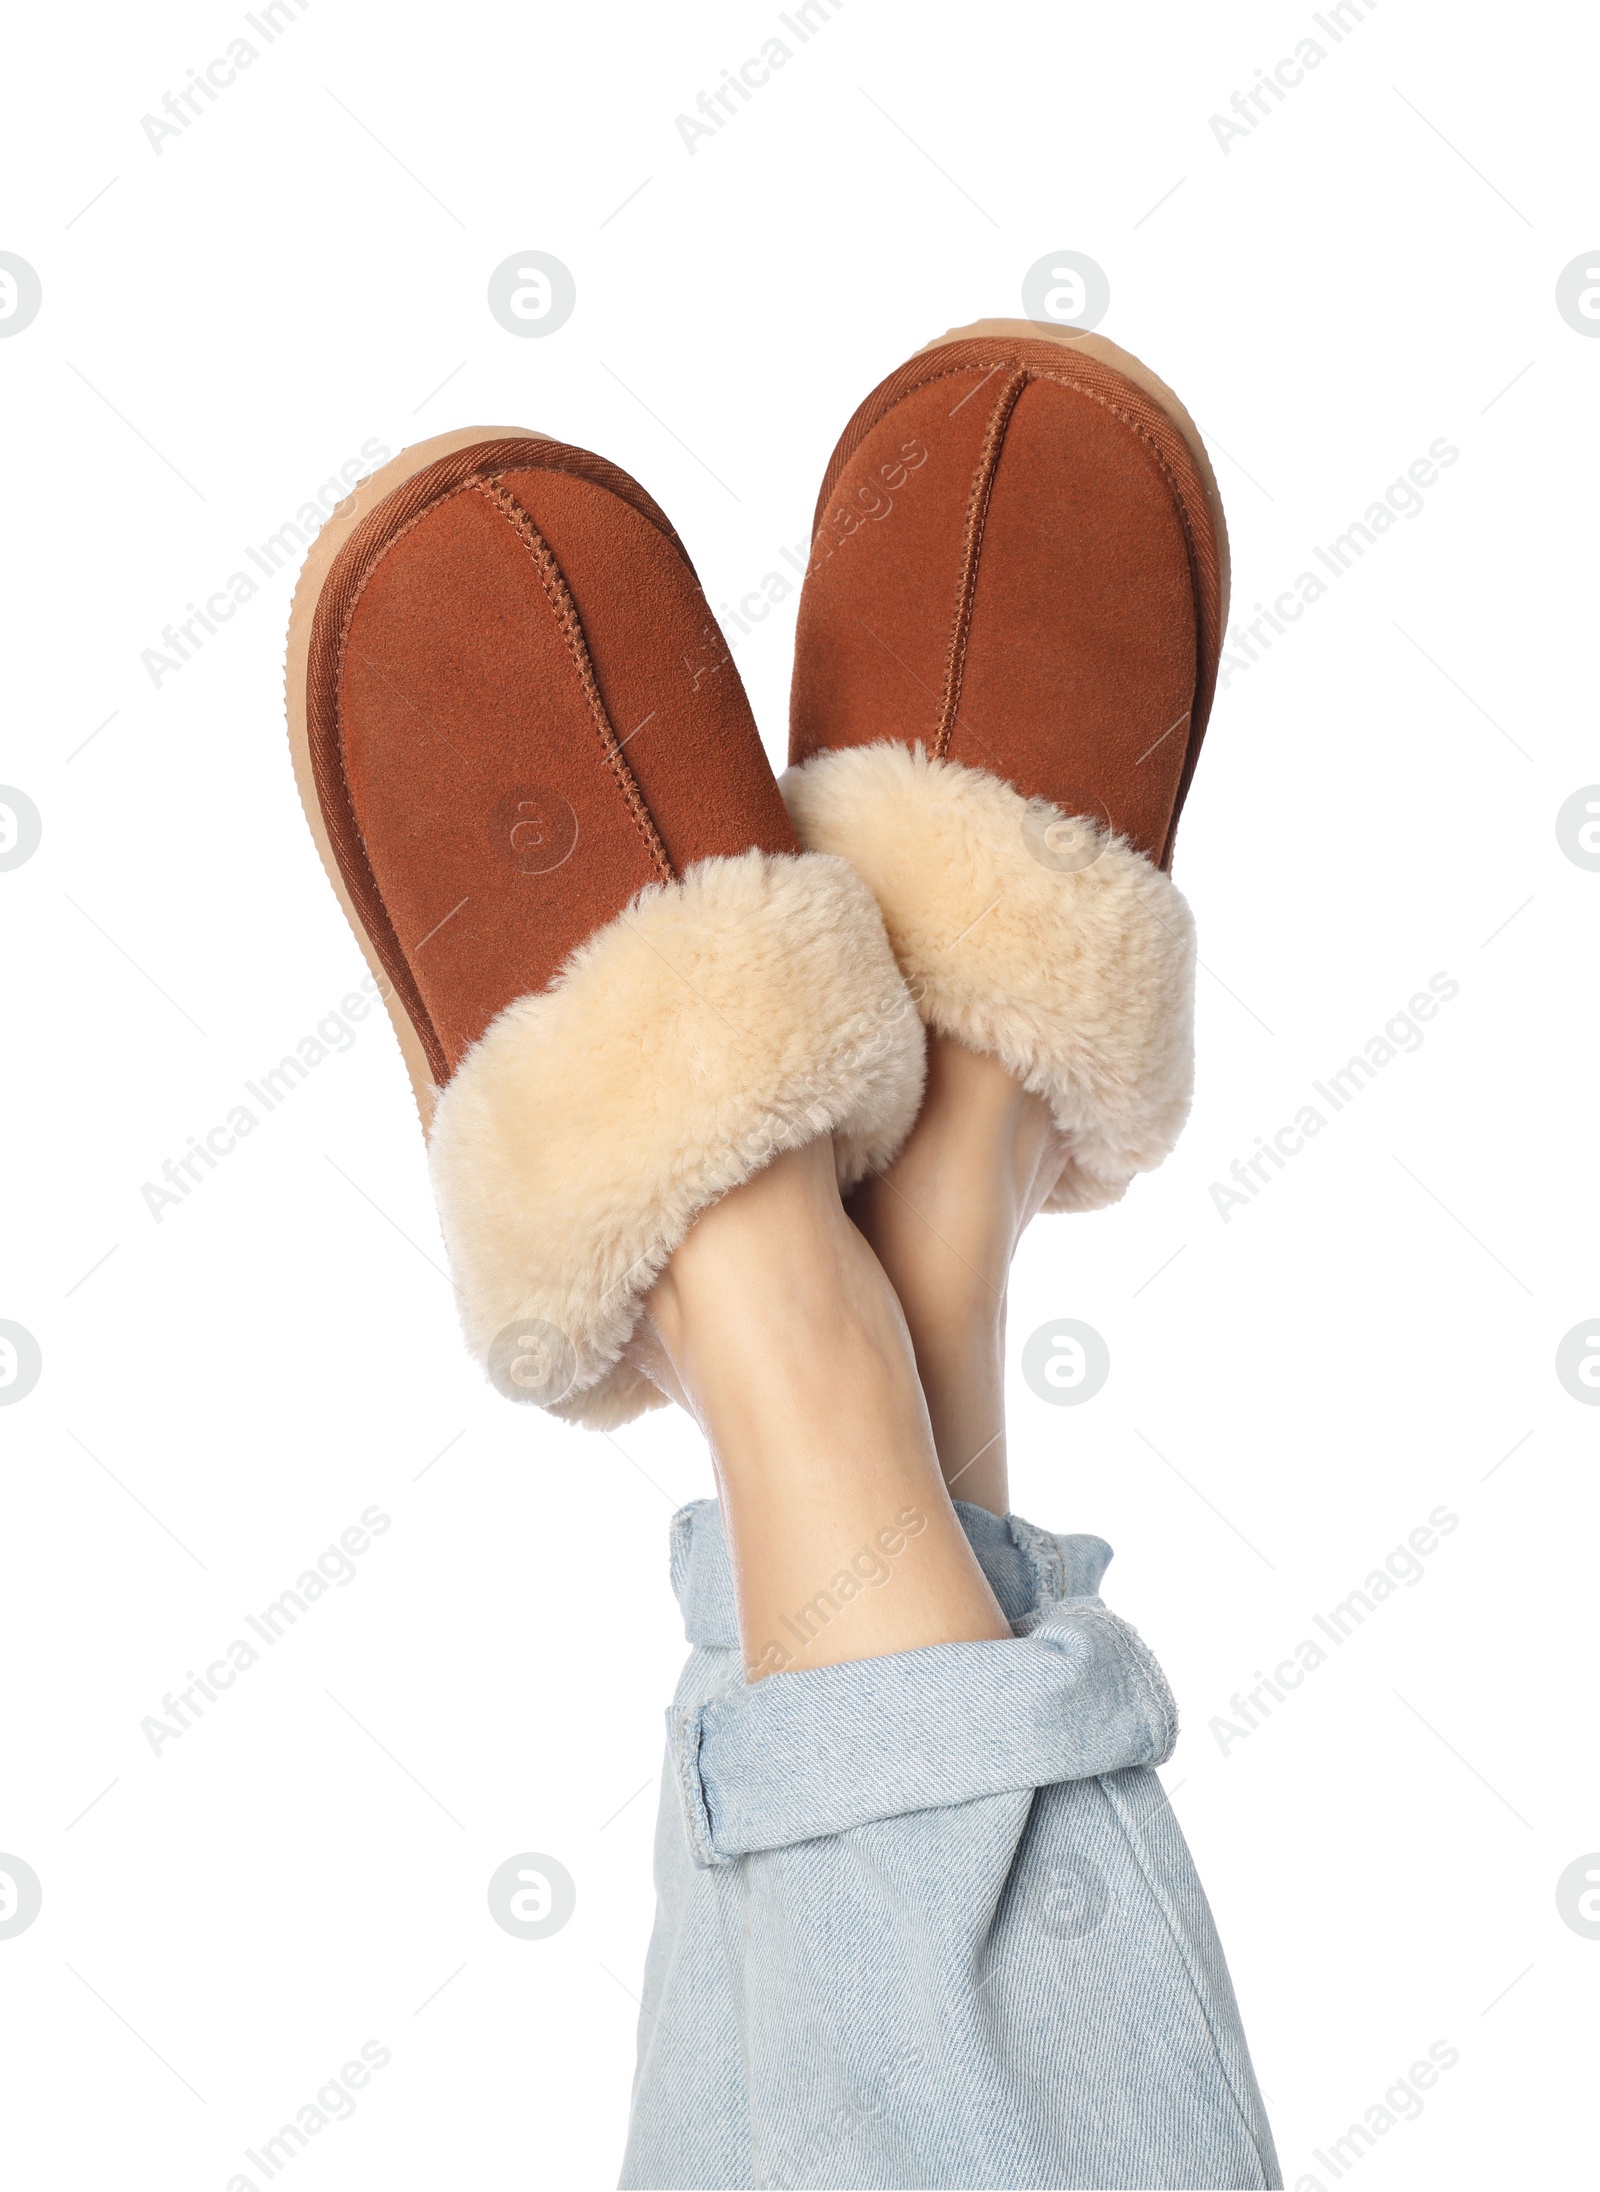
[
  {"x": 1080, "y": 657},
  {"x": 665, "y": 673},
  {"x": 1042, "y": 600},
  {"x": 521, "y": 713},
  {"x": 874, "y": 625}
]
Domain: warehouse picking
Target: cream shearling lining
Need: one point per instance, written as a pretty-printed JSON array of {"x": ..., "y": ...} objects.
[
  {"x": 1035, "y": 936},
  {"x": 748, "y": 1008}
]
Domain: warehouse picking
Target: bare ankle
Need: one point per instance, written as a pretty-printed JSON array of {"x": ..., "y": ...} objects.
[
  {"x": 768, "y": 1241},
  {"x": 786, "y": 1341},
  {"x": 945, "y": 1221}
]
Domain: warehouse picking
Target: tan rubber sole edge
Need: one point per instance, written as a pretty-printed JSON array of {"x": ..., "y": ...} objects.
[
  {"x": 1105, "y": 352},
  {"x": 357, "y": 506}
]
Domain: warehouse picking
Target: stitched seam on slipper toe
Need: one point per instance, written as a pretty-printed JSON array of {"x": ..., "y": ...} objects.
[
  {"x": 559, "y": 595},
  {"x": 982, "y": 489}
]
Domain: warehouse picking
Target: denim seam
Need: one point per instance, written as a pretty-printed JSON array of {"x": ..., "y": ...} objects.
[
  {"x": 1140, "y": 1667},
  {"x": 1180, "y": 1943},
  {"x": 1048, "y": 1569},
  {"x": 1150, "y": 1684},
  {"x": 680, "y": 1549},
  {"x": 685, "y": 1730},
  {"x": 728, "y": 1884}
]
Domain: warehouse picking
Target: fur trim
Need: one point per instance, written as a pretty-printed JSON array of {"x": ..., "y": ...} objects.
[
  {"x": 746, "y": 1009},
  {"x": 1023, "y": 932}
]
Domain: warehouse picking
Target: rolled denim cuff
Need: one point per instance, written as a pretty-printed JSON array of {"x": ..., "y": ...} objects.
[{"x": 796, "y": 1756}]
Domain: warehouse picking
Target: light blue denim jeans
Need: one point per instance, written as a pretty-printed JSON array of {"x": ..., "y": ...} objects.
[{"x": 928, "y": 1919}]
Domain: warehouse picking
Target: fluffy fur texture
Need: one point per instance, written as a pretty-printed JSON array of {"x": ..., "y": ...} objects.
[
  {"x": 1030, "y": 934},
  {"x": 746, "y": 1009}
]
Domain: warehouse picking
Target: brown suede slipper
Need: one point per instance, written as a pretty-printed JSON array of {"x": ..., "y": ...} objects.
[
  {"x": 620, "y": 988},
  {"x": 1005, "y": 659}
]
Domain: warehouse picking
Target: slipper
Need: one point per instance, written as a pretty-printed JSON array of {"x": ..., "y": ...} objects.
[
  {"x": 1005, "y": 658},
  {"x": 619, "y": 986}
]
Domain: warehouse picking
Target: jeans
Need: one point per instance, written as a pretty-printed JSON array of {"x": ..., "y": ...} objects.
[{"x": 928, "y": 1919}]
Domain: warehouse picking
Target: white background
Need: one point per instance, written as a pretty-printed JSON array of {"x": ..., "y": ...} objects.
[{"x": 225, "y": 1391}]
